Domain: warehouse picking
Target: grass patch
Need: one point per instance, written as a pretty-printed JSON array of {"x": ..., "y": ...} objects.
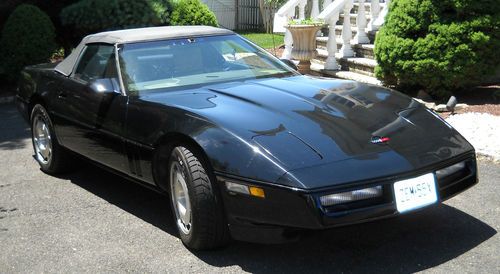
[{"x": 264, "y": 40}]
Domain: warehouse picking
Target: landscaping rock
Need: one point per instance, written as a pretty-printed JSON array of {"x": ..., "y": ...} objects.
[
  {"x": 427, "y": 104},
  {"x": 441, "y": 108}
]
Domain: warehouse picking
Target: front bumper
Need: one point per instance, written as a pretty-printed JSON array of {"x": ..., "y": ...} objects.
[{"x": 285, "y": 210}]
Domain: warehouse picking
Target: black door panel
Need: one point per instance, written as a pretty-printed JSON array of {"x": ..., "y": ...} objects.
[{"x": 89, "y": 122}]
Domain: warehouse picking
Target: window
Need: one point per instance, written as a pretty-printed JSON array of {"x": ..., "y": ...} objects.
[
  {"x": 97, "y": 62},
  {"x": 190, "y": 62}
]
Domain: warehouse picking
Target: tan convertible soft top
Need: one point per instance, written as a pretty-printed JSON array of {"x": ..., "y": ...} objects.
[{"x": 136, "y": 35}]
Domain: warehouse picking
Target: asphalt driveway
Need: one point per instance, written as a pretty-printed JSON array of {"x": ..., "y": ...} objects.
[{"x": 93, "y": 221}]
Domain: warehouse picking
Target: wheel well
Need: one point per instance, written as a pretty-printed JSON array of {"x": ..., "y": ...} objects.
[
  {"x": 162, "y": 151},
  {"x": 34, "y": 100}
]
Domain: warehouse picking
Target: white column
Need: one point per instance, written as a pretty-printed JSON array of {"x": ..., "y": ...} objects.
[
  {"x": 326, "y": 3},
  {"x": 287, "y": 53},
  {"x": 331, "y": 45},
  {"x": 315, "y": 9},
  {"x": 374, "y": 12},
  {"x": 361, "y": 37},
  {"x": 381, "y": 17},
  {"x": 302, "y": 9},
  {"x": 346, "y": 50}
]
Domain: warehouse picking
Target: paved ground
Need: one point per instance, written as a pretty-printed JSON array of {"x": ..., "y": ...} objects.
[{"x": 93, "y": 221}]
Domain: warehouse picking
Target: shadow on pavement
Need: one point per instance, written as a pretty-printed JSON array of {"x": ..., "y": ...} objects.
[
  {"x": 150, "y": 206},
  {"x": 14, "y": 131},
  {"x": 405, "y": 244}
]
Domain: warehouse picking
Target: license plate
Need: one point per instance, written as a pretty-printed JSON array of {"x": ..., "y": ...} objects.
[{"x": 415, "y": 192}]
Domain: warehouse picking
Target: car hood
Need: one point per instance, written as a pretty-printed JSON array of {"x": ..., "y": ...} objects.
[{"x": 303, "y": 122}]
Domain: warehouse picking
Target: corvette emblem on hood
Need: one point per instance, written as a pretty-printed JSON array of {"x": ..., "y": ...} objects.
[{"x": 380, "y": 140}]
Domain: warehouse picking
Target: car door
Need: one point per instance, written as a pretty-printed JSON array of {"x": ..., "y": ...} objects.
[{"x": 92, "y": 122}]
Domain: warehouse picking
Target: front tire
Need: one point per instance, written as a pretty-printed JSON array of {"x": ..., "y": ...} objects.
[
  {"x": 196, "y": 204},
  {"x": 51, "y": 157}
]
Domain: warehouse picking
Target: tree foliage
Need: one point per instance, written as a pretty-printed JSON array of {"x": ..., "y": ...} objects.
[
  {"x": 90, "y": 16},
  {"x": 28, "y": 37},
  {"x": 439, "y": 45},
  {"x": 192, "y": 12}
]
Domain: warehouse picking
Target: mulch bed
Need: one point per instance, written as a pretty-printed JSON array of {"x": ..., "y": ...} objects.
[{"x": 484, "y": 99}]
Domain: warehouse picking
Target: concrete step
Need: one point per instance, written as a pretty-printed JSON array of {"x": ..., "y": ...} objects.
[
  {"x": 359, "y": 65},
  {"x": 364, "y": 50},
  {"x": 348, "y": 75},
  {"x": 322, "y": 41},
  {"x": 361, "y": 50}
]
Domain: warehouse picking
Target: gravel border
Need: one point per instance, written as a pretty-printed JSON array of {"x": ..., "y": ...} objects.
[{"x": 482, "y": 130}]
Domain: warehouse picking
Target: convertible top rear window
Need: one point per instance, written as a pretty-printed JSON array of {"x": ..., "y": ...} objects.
[{"x": 182, "y": 63}]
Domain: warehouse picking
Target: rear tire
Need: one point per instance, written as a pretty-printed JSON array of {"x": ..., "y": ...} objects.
[
  {"x": 196, "y": 203},
  {"x": 51, "y": 157}
]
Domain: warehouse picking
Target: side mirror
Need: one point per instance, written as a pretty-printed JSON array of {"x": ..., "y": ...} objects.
[
  {"x": 105, "y": 86},
  {"x": 289, "y": 63}
]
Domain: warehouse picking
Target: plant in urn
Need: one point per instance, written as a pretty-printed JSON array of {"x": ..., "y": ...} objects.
[{"x": 304, "y": 42}]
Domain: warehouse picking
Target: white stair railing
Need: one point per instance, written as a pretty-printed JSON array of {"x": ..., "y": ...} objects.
[
  {"x": 315, "y": 8},
  {"x": 281, "y": 19},
  {"x": 379, "y": 21},
  {"x": 361, "y": 37},
  {"x": 330, "y": 13},
  {"x": 374, "y": 12}
]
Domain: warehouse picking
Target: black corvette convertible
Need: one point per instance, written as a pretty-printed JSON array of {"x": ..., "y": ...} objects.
[{"x": 243, "y": 145}]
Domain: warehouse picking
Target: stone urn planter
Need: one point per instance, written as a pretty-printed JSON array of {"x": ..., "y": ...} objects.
[{"x": 304, "y": 44}]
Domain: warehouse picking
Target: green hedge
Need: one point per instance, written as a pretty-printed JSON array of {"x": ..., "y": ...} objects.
[
  {"x": 163, "y": 9},
  {"x": 192, "y": 12},
  {"x": 438, "y": 45},
  {"x": 28, "y": 38},
  {"x": 90, "y": 16}
]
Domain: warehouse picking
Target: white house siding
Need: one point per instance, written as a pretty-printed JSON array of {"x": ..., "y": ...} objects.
[{"x": 225, "y": 11}]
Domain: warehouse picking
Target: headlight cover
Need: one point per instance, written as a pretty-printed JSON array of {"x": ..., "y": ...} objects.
[{"x": 351, "y": 196}]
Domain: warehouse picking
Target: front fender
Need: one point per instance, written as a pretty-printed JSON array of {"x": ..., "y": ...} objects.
[{"x": 148, "y": 123}]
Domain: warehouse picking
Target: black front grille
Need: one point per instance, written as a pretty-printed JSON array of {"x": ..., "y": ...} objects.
[{"x": 448, "y": 186}]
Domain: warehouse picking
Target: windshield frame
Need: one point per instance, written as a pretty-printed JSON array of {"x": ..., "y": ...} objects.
[{"x": 262, "y": 53}]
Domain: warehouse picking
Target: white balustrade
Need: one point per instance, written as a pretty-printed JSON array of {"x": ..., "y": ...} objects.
[
  {"x": 331, "y": 44},
  {"x": 302, "y": 10},
  {"x": 381, "y": 17},
  {"x": 346, "y": 50},
  {"x": 315, "y": 9},
  {"x": 361, "y": 37},
  {"x": 374, "y": 12},
  {"x": 330, "y": 13}
]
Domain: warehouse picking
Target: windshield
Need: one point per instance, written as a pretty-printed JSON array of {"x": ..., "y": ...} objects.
[{"x": 183, "y": 63}]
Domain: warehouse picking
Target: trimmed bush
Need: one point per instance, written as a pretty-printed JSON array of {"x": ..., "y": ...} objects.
[
  {"x": 438, "y": 45},
  {"x": 163, "y": 9},
  {"x": 91, "y": 16},
  {"x": 28, "y": 38},
  {"x": 192, "y": 12}
]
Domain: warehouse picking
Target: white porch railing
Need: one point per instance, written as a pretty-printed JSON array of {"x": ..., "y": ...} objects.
[{"x": 330, "y": 13}]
